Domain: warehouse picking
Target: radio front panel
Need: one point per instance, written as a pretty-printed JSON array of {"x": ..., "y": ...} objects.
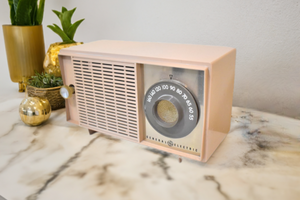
[{"x": 187, "y": 87}]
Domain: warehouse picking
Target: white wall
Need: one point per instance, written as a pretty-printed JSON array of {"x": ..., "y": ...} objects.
[{"x": 265, "y": 33}]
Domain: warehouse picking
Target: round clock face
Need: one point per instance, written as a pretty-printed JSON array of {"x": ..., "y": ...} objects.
[{"x": 171, "y": 109}]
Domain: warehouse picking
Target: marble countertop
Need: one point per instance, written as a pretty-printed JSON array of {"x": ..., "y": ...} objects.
[{"x": 259, "y": 159}]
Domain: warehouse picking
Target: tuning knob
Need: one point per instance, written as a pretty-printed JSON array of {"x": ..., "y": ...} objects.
[{"x": 67, "y": 91}]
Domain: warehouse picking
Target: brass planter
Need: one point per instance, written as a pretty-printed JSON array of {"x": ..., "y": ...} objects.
[{"x": 25, "y": 51}]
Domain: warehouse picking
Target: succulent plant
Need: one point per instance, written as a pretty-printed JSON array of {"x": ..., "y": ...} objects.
[
  {"x": 45, "y": 80},
  {"x": 68, "y": 29},
  {"x": 26, "y": 12}
]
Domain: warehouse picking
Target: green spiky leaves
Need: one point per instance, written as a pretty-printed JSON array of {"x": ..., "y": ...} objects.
[
  {"x": 68, "y": 29},
  {"x": 40, "y": 12},
  {"x": 26, "y": 12},
  {"x": 45, "y": 80}
]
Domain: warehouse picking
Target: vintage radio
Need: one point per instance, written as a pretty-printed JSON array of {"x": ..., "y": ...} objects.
[{"x": 172, "y": 97}]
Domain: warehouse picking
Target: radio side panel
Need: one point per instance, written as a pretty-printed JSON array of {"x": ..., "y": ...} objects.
[
  {"x": 67, "y": 73},
  {"x": 220, "y": 96}
]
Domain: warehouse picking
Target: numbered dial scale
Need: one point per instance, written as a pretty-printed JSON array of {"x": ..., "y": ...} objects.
[{"x": 171, "y": 109}]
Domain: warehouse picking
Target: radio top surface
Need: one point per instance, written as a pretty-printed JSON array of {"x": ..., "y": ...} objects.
[{"x": 168, "y": 51}]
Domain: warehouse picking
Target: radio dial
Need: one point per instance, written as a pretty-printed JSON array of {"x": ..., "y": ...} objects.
[{"x": 171, "y": 109}]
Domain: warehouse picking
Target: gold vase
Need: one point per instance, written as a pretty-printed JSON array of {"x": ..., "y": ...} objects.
[
  {"x": 51, "y": 63},
  {"x": 25, "y": 51}
]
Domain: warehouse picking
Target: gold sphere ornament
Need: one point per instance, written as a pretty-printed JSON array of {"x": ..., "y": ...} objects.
[{"x": 34, "y": 110}]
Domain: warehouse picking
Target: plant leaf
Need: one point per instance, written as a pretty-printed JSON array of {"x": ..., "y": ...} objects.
[
  {"x": 73, "y": 28},
  {"x": 45, "y": 81},
  {"x": 15, "y": 6},
  {"x": 58, "y": 14},
  {"x": 67, "y": 39},
  {"x": 16, "y": 2},
  {"x": 40, "y": 12},
  {"x": 10, "y": 2},
  {"x": 24, "y": 12},
  {"x": 66, "y": 20},
  {"x": 12, "y": 16},
  {"x": 63, "y": 9},
  {"x": 60, "y": 32},
  {"x": 33, "y": 14},
  {"x": 12, "y": 12}
]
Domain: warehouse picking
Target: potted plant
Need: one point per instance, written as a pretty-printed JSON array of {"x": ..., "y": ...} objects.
[
  {"x": 67, "y": 32},
  {"x": 46, "y": 86},
  {"x": 24, "y": 40}
]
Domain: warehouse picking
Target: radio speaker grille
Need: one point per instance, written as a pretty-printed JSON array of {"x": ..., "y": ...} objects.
[{"x": 106, "y": 96}]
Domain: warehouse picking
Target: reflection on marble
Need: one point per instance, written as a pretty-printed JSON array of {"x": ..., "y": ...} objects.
[{"x": 259, "y": 159}]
